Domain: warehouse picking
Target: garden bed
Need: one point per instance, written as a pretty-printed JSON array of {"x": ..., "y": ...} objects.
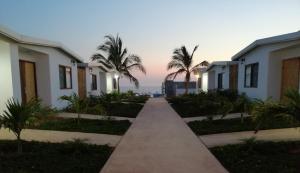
[
  {"x": 43, "y": 157},
  {"x": 114, "y": 127},
  {"x": 260, "y": 157},
  {"x": 234, "y": 125}
]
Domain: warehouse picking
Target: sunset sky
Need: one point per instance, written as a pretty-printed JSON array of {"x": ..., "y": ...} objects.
[{"x": 153, "y": 28}]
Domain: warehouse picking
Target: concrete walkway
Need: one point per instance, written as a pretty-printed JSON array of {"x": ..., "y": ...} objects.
[
  {"x": 287, "y": 134},
  {"x": 60, "y": 136},
  {"x": 160, "y": 142},
  {"x": 93, "y": 117},
  {"x": 216, "y": 117}
]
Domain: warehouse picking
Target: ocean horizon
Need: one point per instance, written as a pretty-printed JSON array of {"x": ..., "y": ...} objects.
[{"x": 142, "y": 89}]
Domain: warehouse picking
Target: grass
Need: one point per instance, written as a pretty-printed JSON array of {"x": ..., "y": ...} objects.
[
  {"x": 130, "y": 110},
  {"x": 114, "y": 127},
  {"x": 235, "y": 125},
  {"x": 40, "y": 157},
  {"x": 260, "y": 157}
]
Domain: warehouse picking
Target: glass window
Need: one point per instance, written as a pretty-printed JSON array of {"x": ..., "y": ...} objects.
[
  {"x": 251, "y": 76},
  {"x": 94, "y": 82},
  {"x": 220, "y": 81},
  {"x": 65, "y": 77}
]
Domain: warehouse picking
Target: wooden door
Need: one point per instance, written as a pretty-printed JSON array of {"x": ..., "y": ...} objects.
[
  {"x": 290, "y": 75},
  {"x": 81, "y": 82},
  {"x": 28, "y": 81},
  {"x": 233, "y": 77}
]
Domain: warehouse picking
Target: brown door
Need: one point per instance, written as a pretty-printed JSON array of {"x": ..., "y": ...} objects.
[
  {"x": 233, "y": 77},
  {"x": 81, "y": 82},
  {"x": 28, "y": 81},
  {"x": 290, "y": 75}
]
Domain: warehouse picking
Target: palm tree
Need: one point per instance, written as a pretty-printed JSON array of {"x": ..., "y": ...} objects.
[
  {"x": 182, "y": 60},
  {"x": 117, "y": 58},
  {"x": 292, "y": 103},
  {"x": 76, "y": 103},
  {"x": 17, "y": 116}
]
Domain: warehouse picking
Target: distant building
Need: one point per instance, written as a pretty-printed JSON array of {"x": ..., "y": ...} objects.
[{"x": 175, "y": 88}]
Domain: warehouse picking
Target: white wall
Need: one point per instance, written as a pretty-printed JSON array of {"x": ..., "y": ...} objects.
[
  {"x": 95, "y": 71},
  {"x": 56, "y": 58},
  {"x": 204, "y": 82},
  {"x": 109, "y": 82},
  {"x": 213, "y": 77},
  {"x": 42, "y": 73},
  {"x": 211, "y": 80},
  {"x": 6, "y": 85},
  {"x": 267, "y": 77},
  {"x": 275, "y": 69}
]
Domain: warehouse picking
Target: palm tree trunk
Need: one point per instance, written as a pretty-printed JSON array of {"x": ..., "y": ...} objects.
[
  {"x": 19, "y": 143},
  {"x": 118, "y": 80},
  {"x": 186, "y": 87}
]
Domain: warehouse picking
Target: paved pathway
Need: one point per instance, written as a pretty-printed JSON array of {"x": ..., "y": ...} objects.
[
  {"x": 160, "y": 142},
  {"x": 92, "y": 117},
  {"x": 60, "y": 136},
  {"x": 220, "y": 139},
  {"x": 216, "y": 117}
]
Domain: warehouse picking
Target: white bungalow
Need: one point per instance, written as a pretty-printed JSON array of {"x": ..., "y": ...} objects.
[
  {"x": 221, "y": 75},
  {"x": 32, "y": 68},
  {"x": 269, "y": 66}
]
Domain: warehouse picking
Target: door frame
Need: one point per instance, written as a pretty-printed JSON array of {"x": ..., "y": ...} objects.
[
  {"x": 282, "y": 76},
  {"x": 85, "y": 79},
  {"x": 22, "y": 79}
]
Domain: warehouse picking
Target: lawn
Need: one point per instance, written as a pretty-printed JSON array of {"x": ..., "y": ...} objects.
[
  {"x": 235, "y": 125},
  {"x": 114, "y": 127},
  {"x": 260, "y": 157},
  {"x": 39, "y": 157}
]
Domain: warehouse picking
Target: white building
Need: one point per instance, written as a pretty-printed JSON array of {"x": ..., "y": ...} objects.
[
  {"x": 221, "y": 75},
  {"x": 269, "y": 66},
  {"x": 32, "y": 68}
]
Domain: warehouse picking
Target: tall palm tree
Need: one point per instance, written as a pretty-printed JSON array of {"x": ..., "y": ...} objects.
[
  {"x": 116, "y": 57},
  {"x": 182, "y": 61}
]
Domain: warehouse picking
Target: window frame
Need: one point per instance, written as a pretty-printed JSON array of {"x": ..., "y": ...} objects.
[
  {"x": 94, "y": 85},
  {"x": 65, "y": 77},
  {"x": 253, "y": 84}
]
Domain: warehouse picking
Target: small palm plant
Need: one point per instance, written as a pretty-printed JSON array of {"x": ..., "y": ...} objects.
[
  {"x": 267, "y": 111},
  {"x": 17, "y": 116},
  {"x": 182, "y": 61},
  {"x": 244, "y": 105},
  {"x": 225, "y": 107},
  {"x": 76, "y": 103},
  {"x": 292, "y": 102}
]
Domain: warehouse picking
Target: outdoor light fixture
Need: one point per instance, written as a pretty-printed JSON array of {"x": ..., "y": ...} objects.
[
  {"x": 116, "y": 76},
  {"x": 90, "y": 70},
  {"x": 73, "y": 62}
]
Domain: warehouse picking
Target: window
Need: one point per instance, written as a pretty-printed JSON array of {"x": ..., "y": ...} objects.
[
  {"x": 94, "y": 82},
  {"x": 65, "y": 77},
  {"x": 251, "y": 75},
  {"x": 220, "y": 81},
  {"x": 115, "y": 83}
]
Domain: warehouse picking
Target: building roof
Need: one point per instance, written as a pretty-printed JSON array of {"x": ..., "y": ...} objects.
[
  {"x": 220, "y": 63},
  {"x": 19, "y": 38},
  {"x": 265, "y": 41}
]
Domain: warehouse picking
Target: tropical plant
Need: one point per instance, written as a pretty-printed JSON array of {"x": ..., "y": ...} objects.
[
  {"x": 182, "y": 61},
  {"x": 243, "y": 104},
  {"x": 17, "y": 116},
  {"x": 225, "y": 107},
  {"x": 116, "y": 57},
  {"x": 76, "y": 104},
  {"x": 267, "y": 111},
  {"x": 292, "y": 102}
]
